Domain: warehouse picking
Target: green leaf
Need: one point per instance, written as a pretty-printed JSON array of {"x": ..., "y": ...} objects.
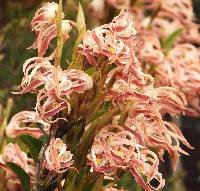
[
  {"x": 90, "y": 71},
  {"x": 21, "y": 174},
  {"x": 77, "y": 58},
  {"x": 168, "y": 43},
  {"x": 80, "y": 21},
  {"x": 98, "y": 184},
  {"x": 34, "y": 145}
]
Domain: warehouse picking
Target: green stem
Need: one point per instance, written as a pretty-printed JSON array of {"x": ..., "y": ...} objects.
[
  {"x": 98, "y": 184},
  {"x": 59, "y": 34},
  {"x": 124, "y": 114}
]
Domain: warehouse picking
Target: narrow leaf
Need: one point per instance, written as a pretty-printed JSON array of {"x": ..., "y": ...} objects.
[
  {"x": 34, "y": 145},
  {"x": 90, "y": 71},
  {"x": 80, "y": 21},
  {"x": 168, "y": 43},
  {"x": 77, "y": 58},
  {"x": 21, "y": 174},
  {"x": 98, "y": 184}
]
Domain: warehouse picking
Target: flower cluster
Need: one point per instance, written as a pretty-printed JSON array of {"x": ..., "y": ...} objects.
[
  {"x": 52, "y": 85},
  {"x": 130, "y": 143},
  {"x": 112, "y": 110},
  {"x": 115, "y": 41},
  {"x": 179, "y": 66},
  {"x": 158, "y": 23},
  {"x": 172, "y": 16},
  {"x": 180, "y": 69}
]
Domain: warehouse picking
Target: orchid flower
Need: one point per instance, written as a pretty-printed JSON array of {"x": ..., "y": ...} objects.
[
  {"x": 53, "y": 85},
  {"x": 44, "y": 16},
  {"x": 151, "y": 49},
  {"x": 13, "y": 153},
  {"x": 119, "y": 4},
  {"x": 48, "y": 33},
  {"x": 58, "y": 87},
  {"x": 47, "y": 107},
  {"x": 182, "y": 9},
  {"x": 17, "y": 125},
  {"x": 115, "y": 41},
  {"x": 114, "y": 147},
  {"x": 182, "y": 69},
  {"x": 36, "y": 71},
  {"x": 57, "y": 157},
  {"x": 191, "y": 34},
  {"x": 146, "y": 122},
  {"x": 149, "y": 168},
  {"x": 44, "y": 24},
  {"x": 112, "y": 150},
  {"x": 170, "y": 100},
  {"x": 164, "y": 26}
]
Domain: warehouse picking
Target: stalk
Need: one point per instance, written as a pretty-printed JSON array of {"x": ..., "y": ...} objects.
[{"x": 59, "y": 35}]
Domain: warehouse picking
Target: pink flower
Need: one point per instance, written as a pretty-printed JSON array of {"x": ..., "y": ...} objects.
[
  {"x": 17, "y": 125},
  {"x": 59, "y": 85},
  {"x": 40, "y": 74},
  {"x": 112, "y": 150},
  {"x": 151, "y": 49},
  {"x": 134, "y": 85},
  {"x": 68, "y": 81},
  {"x": 170, "y": 100},
  {"x": 146, "y": 122},
  {"x": 148, "y": 167},
  {"x": 121, "y": 92},
  {"x": 115, "y": 41},
  {"x": 97, "y": 9},
  {"x": 12, "y": 153},
  {"x": 44, "y": 24},
  {"x": 53, "y": 85},
  {"x": 48, "y": 33},
  {"x": 191, "y": 35},
  {"x": 164, "y": 26},
  {"x": 36, "y": 71},
  {"x": 116, "y": 148},
  {"x": 181, "y": 9},
  {"x": 57, "y": 156},
  {"x": 47, "y": 106},
  {"x": 44, "y": 16},
  {"x": 180, "y": 69},
  {"x": 119, "y": 4}
]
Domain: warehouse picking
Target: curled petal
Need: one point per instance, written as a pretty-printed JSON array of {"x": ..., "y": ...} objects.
[
  {"x": 44, "y": 16},
  {"x": 152, "y": 49},
  {"x": 48, "y": 33},
  {"x": 13, "y": 153},
  {"x": 35, "y": 70},
  {"x": 57, "y": 156},
  {"x": 171, "y": 100},
  {"x": 17, "y": 125},
  {"x": 115, "y": 41}
]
